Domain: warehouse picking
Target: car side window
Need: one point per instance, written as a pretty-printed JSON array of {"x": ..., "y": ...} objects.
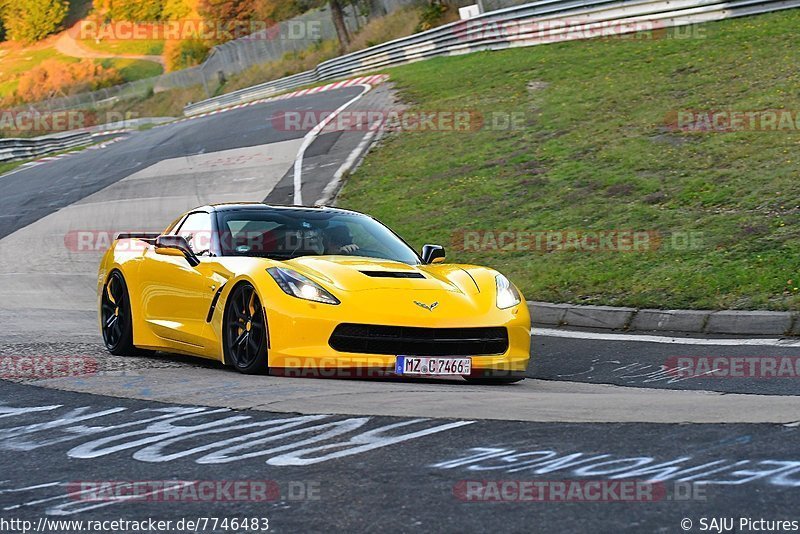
[{"x": 196, "y": 229}]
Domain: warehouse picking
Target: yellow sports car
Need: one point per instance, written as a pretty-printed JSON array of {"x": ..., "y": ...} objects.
[{"x": 299, "y": 291}]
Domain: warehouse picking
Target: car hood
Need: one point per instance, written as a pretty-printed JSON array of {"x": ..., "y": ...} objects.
[{"x": 350, "y": 273}]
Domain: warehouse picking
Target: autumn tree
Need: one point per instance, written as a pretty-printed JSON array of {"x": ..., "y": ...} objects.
[
  {"x": 184, "y": 54},
  {"x": 232, "y": 17},
  {"x": 178, "y": 9},
  {"x": 29, "y": 21},
  {"x": 53, "y": 78},
  {"x": 279, "y": 10},
  {"x": 130, "y": 10},
  {"x": 337, "y": 14},
  {"x": 3, "y": 6}
]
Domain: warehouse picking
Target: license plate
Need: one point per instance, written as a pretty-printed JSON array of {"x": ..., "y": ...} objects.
[{"x": 432, "y": 366}]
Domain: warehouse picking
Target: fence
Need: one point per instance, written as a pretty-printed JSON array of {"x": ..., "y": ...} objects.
[
  {"x": 293, "y": 35},
  {"x": 238, "y": 55},
  {"x": 524, "y": 25}
]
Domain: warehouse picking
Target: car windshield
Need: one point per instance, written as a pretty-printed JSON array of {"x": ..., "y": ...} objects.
[{"x": 288, "y": 233}]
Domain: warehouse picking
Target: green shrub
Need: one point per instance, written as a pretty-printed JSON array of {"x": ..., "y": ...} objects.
[
  {"x": 29, "y": 21},
  {"x": 130, "y": 10},
  {"x": 431, "y": 15},
  {"x": 185, "y": 53}
]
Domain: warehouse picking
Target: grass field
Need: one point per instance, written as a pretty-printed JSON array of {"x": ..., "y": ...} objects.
[
  {"x": 164, "y": 104},
  {"x": 16, "y": 60},
  {"x": 9, "y": 166},
  {"x": 595, "y": 153},
  {"x": 139, "y": 47},
  {"x": 133, "y": 69}
]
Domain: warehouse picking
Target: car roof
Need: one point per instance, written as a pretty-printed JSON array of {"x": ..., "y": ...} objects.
[{"x": 249, "y": 206}]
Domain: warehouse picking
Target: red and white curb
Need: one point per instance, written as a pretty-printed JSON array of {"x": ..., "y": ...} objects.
[{"x": 362, "y": 80}]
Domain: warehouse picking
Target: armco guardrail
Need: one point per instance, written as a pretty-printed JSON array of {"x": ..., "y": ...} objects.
[
  {"x": 526, "y": 25},
  {"x": 14, "y": 149}
]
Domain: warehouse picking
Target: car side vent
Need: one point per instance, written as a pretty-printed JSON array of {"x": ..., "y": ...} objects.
[{"x": 392, "y": 274}]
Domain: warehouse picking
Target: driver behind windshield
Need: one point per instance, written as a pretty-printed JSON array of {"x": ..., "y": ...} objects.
[{"x": 338, "y": 240}]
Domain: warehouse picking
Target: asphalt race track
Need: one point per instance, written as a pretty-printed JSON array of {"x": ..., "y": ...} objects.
[
  {"x": 28, "y": 196},
  {"x": 350, "y": 455}
]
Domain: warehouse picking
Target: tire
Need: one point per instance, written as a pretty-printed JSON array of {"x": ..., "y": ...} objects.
[
  {"x": 245, "y": 331},
  {"x": 115, "y": 316},
  {"x": 493, "y": 381}
]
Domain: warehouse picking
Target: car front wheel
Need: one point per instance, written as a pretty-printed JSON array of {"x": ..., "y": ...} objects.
[
  {"x": 115, "y": 316},
  {"x": 245, "y": 334}
]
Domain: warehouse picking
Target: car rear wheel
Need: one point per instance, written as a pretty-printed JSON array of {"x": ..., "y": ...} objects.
[
  {"x": 245, "y": 335},
  {"x": 115, "y": 314}
]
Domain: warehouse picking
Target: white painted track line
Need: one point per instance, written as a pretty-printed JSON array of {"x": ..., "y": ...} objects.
[
  {"x": 600, "y": 336},
  {"x": 311, "y": 136},
  {"x": 333, "y": 185}
]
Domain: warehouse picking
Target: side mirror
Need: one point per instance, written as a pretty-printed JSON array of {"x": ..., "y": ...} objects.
[
  {"x": 176, "y": 245},
  {"x": 432, "y": 254}
]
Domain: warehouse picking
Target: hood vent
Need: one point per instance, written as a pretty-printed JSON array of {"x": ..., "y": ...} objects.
[{"x": 392, "y": 274}]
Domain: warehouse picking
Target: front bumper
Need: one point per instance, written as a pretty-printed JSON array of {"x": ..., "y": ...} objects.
[{"x": 299, "y": 344}]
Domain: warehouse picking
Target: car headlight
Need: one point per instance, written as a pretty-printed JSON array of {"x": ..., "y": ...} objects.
[
  {"x": 297, "y": 285},
  {"x": 507, "y": 294}
]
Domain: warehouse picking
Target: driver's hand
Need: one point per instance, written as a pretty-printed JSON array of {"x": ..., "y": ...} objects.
[{"x": 348, "y": 249}]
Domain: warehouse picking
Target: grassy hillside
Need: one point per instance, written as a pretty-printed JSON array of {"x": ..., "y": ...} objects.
[
  {"x": 594, "y": 152},
  {"x": 15, "y": 60},
  {"x": 141, "y": 47},
  {"x": 392, "y": 26}
]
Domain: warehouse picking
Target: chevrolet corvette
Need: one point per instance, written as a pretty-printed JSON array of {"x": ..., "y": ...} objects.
[{"x": 298, "y": 291}]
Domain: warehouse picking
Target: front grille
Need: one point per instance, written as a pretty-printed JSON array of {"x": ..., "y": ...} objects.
[
  {"x": 392, "y": 274},
  {"x": 379, "y": 339}
]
